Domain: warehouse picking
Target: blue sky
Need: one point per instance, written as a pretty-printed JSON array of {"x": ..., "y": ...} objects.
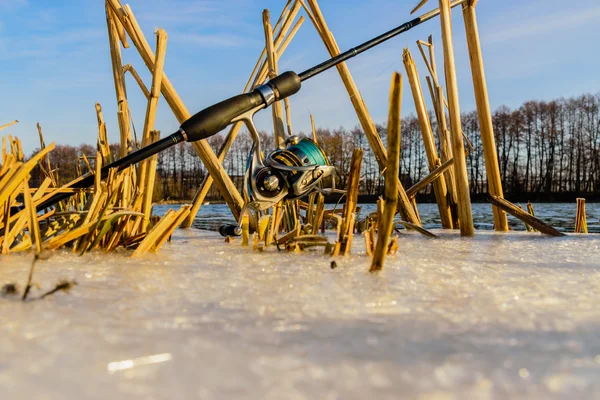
[{"x": 55, "y": 60}]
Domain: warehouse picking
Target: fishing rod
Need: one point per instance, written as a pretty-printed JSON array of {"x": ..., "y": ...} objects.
[{"x": 291, "y": 172}]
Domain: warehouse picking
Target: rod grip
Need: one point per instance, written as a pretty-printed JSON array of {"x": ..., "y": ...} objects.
[
  {"x": 215, "y": 118},
  {"x": 285, "y": 85}
]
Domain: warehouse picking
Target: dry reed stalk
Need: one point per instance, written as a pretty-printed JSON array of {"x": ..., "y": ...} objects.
[
  {"x": 347, "y": 229},
  {"x": 393, "y": 247},
  {"x": 527, "y": 227},
  {"x": 4, "y": 153},
  {"x": 129, "y": 68},
  {"x": 318, "y": 215},
  {"x": 273, "y": 72},
  {"x": 523, "y": 216},
  {"x": 359, "y": 105},
  {"x": 288, "y": 236},
  {"x": 224, "y": 183},
  {"x": 152, "y": 105},
  {"x": 484, "y": 112},
  {"x": 460, "y": 164},
  {"x": 415, "y": 208},
  {"x": 368, "y": 241},
  {"x": 386, "y": 224},
  {"x": 146, "y": 171},
  {"x": 34, "y": 228},
  {"x": 274, "y": 225},
  {"x": 69, "y": 235},
  {"x": 433, "y": 175},
  {"x": 245, "y": 225},
  {"x": 439, "y": 105},
  {"x": 103, "y": 145},
  {"x": 310, "y": 208},
  {"x": 439, "y": 185},
  {"x": 2, "y": 127},
  {"x": 44, "y": 164},
  {"x": 149, "y": 181},
  {"x": 263, "y": 227},
  {"x": 530, "y": 210},
  {"x": 314, "y": 130},
  {"x": 580, "y": 218},
  {"x": 156, "y": 233},
  {"x": 119, "y": 80},
  {"x": 179, "y": 217}
]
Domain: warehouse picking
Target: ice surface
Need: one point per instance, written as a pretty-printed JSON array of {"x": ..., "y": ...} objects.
[{"x": 498, "y": 316}]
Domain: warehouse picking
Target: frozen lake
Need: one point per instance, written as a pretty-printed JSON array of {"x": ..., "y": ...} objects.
[{"x": 498, "y": 316}]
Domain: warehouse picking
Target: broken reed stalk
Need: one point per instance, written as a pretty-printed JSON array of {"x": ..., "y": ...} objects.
[
  {"x": 530, "y": 210},
  {"x": 224, "y": 183},
  {"x": 439, "y": 185},
  {"x": 513, "y": 210},
  {"x": 528, "y": 228},
  {"x": 347, "y": 228},
  {"x": 314, "y": 130},
  {"x": 145, "y": 175},
  {"x": 460, "y": 164},
  {"x": 359, "y": 106},
  {"x": 103, "y": 146},
  {"x": 129, "y": 68},
  {"x": 119, "y": 80},
  {"x": 484, "y": 113},
  {"x": 386, "y": 224},
  {"x": 9, "y": 124},
  {"x": 580, "y": 217},
  {"x": 202, "y": 192},
  {"x": 276, "y": 109}
]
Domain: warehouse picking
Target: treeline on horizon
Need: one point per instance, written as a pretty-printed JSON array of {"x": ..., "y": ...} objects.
[{"x": 543, "y": 147}]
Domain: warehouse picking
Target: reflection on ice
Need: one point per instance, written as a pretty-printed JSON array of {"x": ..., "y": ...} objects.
[
  {"x": 136, "y": 362},
  {"x": 497, "y": 316}
]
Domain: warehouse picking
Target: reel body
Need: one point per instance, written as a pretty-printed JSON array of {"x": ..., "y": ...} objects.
[{"x": 287, "y": 173}]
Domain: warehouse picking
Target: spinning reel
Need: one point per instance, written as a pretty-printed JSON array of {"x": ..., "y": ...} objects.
[
  {"x": 288, "y": 173},
  {"x": 284, "y": 174}
]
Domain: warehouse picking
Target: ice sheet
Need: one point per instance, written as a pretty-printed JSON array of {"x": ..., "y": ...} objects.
[{"x": 498, "y": 316}]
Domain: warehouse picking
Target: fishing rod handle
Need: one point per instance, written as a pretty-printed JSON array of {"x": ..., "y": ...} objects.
[{"x": 215, "y": 118}]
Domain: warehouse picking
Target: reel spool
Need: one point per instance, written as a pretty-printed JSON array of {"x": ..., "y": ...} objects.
[{"x": 287, "y": 173}]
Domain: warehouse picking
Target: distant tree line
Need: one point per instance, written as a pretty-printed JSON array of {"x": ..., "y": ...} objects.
[{"x": 542, "y": 147}]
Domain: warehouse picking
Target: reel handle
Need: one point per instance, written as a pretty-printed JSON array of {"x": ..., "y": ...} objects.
[
  {"x": 215, "y": 118},
  {"x": 230, "y": 230}
]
